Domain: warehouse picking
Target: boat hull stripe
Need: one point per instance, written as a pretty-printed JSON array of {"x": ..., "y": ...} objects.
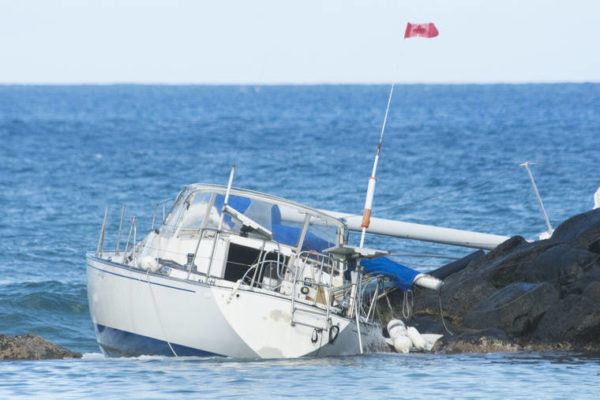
[
  {"x": 118, "y": 343},
  {"x": 141, "y": 280}
]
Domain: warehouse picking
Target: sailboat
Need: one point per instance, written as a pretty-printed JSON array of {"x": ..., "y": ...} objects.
[{"x": 237, "y": 273}]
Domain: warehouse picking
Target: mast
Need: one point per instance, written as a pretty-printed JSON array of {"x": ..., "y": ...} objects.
[{"x": 366, "y": 220}]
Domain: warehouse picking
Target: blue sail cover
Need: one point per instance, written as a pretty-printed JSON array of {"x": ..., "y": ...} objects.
[
  {"x": 401, "y": 275},
  {"x": 290, "y": 235}
]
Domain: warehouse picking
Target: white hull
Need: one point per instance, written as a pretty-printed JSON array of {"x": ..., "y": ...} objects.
[{"x": 136, "y": 312}]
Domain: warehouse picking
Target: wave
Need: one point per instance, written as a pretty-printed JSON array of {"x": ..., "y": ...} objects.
[
  {"x": 93, "y": 356},
  {"x": 57, "y": 311},
  {"x": 39, "y": 296}
]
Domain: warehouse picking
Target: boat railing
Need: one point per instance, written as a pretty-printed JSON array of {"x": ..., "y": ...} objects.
[
  {"x": 320, "y": 265},
  {"x": 271, "y": 274},
  {"x": 131, "y": 250},
  {"x": 266, "y": 274},
  {"x": 161, "y": 207}
]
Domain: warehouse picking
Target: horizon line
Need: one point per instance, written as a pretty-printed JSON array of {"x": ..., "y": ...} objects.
[{"x": 315, "y": 83}]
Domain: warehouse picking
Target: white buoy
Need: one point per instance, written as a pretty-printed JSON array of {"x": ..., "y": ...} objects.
[
  {"x": 402, "y": 344},
  {"x": 415, "y": 337},
  {"x": 431, "y": 338},
  {"x": 149, "y": 263},
  {"x": 396, "y": 328},
  {"x": 428, "y": 282},
  {"x": 406, "y": 339},
  {"x": 398, "y": 338},
  {"x": 597, "y": 199}
]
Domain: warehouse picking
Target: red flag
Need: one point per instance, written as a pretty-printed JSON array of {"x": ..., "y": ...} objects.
[{"x": 420, "y": 30}]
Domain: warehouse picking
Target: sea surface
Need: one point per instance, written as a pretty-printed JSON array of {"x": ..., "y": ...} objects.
[{"x": 450, "y": 157}]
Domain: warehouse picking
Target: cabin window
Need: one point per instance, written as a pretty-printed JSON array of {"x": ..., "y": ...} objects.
[
  {"x": 197, "y": 205},
  {"x": 239, "y": 261},
  {"x": 241, "y": 258},
  {"x": 321, "y": 235},
  {"x": 179, "y": 206}
]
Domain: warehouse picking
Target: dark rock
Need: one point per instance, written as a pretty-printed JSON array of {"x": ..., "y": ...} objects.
[
  {"x": 507, "y": 247},
  {"x": 515, "y": 266},
  {"x": 592, "y": 291},
  {"x": 32, "y": 347},
  {"x": 479, "y": 341},
  {"x": 578, "y": 286},
  {"x": 454, "y": 267},
  {"x": 431, "y": 324},
  {"x": 595, "y": 247},
  {"x": 556, "y": 261},
  {"x": 575, "y": 319},
  {"x": 521, "y": 295},
  {"x": 582, "y": 230},
  {"x": 516, "y": 308}
]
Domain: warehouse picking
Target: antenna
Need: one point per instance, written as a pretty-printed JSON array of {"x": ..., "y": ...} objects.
[
  {"x": 220, "y": 225},
  {"x": 526, "y": 165}
]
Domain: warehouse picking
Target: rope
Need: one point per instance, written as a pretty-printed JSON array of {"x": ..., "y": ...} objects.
[
  {"x": 158, "y": 315},
  {"x": 390, "y": 305},
  {"x": 442, "y": 313},
  {"x": 407, "y": 306},
  {"x": 444, "y": 194}
]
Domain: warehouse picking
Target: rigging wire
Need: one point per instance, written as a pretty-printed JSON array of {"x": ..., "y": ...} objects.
[
  {"x": 424, "y": 255},
  {"x": 445, "y": 193}
]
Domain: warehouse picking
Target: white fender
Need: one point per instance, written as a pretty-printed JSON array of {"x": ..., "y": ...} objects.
[
  {"x": 417, "y": 340},
  {"x": 431, "y": 338},
  {"x": 396, "y": 328},
  {"x": 402, "y": 344},
  {"x": 428, "y": 282},
  {"x": 147, "y": 260},
  {"x": 149, "y": 263}
]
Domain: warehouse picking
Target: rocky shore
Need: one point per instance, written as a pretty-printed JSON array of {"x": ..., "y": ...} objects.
[
  {"x": 32, "y": 347},
  {"x": 541, "y": 295}
]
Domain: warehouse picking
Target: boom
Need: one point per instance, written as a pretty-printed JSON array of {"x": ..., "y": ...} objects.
[{"x": 427, "y": 233}]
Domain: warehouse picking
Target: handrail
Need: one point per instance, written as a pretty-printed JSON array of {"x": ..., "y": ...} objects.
[
  {"x": 322, "y": 261},
  {"x": 259, "y": 268},
  {"x": 100, "y": 247}
]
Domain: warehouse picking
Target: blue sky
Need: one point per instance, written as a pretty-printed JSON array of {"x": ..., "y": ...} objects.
[{"x": 279, "y": 41}]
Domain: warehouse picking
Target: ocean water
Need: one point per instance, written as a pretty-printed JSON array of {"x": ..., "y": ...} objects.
[{"x": 450, "y": 157}]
